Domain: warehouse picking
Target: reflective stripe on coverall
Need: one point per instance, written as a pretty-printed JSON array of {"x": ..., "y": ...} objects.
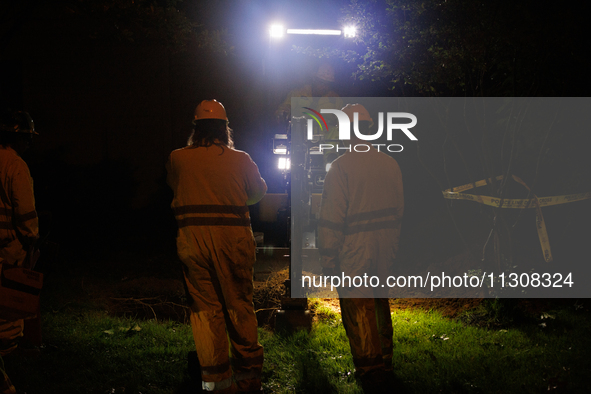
[
  {"x": 19, "y": 227},
  {"x": 359, "y": 230},
  {"x": 212, "y": 188}
]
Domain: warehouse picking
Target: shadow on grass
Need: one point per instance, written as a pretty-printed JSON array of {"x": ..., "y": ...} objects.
[
  {"x": 311, "y": 381},
  {"x": 188, "y": 386}
]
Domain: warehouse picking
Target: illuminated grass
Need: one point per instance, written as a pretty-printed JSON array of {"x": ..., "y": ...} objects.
[
  {"x": 435, "y": 354},
  {"x": 89, "y": 351}
]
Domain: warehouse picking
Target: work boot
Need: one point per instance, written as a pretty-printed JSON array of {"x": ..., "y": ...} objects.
[
  {"x": 227, "y": 390},
  {"x": 249, "y": 386},
  {"x": 380, "y": 381}
]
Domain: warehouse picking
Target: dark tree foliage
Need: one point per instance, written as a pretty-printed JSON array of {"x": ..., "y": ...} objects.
[
  {"x": 469, "y": 48},
  {"x": 485, "y": 48},
  {"x": 132, "y": 21}
]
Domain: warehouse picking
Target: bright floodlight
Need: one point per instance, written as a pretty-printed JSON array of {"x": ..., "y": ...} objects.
[
  {"x": 318, "y": 32},
  {"x": 280, "y": 150},
  {"x": 284, "y": 163},
  {"x": 349, "y": 31},
  {"x": 276, "y": 31},
  {"x": 280, "y": 142}
]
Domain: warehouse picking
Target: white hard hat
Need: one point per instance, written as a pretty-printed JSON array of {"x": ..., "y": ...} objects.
[
  {"x": 210, "y": 109},
  {"x": 326, "y": 73}
]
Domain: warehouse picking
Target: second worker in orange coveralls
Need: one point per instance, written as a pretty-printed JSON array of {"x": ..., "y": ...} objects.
[
  {"x": 359, "y": 230},
  {"x": 213, "y": 185}
]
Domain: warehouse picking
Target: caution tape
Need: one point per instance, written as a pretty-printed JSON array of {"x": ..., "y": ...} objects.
[
  {"x": 455, "y": 193},
  {"x": 517, "y": 203}
]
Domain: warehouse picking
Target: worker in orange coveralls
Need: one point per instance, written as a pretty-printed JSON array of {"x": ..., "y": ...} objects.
[
  {"x": 213, "y": 184},
  {"x": 19, "y": 226},
  {"x": 359, "y": 230}
]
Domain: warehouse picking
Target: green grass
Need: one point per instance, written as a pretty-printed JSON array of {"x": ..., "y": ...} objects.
[
  {"x": 435, "y": 354},
  {"x": 89, "y": 351}
]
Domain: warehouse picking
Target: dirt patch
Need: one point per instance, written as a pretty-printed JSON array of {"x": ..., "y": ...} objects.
[
  {"x": 143, "y": 298},
  {"x": 449, "y": 307},
  {"x": 268, "y": 299},
  {"x": 165, "y": 299},
  {"x": 267, "y": 296}
]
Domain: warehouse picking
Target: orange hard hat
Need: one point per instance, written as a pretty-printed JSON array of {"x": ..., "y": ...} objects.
[{"x": 210, "y": 109}]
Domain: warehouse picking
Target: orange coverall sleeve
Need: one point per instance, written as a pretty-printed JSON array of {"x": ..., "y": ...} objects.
[
  {"x": 256, "y": 187},
  {"x": 23, "y": 201}
]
